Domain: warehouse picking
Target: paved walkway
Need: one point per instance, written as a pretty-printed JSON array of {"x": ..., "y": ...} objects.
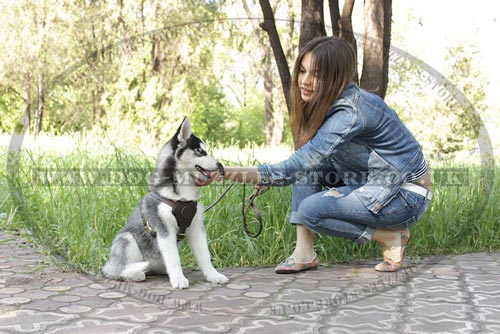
[{"x": 458, "y": 294}]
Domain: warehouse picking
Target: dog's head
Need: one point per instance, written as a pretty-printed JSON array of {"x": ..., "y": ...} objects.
[{"x": 183, "y": 160}]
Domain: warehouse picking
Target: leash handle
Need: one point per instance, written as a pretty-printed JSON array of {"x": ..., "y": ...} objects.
[{"x": 245, "y": 208}]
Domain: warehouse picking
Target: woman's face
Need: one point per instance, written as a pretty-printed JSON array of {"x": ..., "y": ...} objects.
[{"x": 308, "y": 78}]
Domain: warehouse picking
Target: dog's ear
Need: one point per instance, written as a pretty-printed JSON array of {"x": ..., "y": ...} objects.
[{"x": 184, "y": 131}]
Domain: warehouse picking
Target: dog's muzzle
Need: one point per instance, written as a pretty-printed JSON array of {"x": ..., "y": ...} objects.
[{"x": 207, "y": 172}]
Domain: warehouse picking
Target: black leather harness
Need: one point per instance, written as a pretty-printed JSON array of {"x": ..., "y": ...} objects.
[{"x": 183, "y": 211}]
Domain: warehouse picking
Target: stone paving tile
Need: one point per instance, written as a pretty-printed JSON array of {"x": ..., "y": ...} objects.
[
  {"x": 419, "y": 308},
  {"x": 161, "y": 331},
  {"x": 347, "y": 330},
  {"x": 232, "y": 305},
  {"x": 371, "y": 320},
  {"x": 278, "y": 327},
  {"x": 482, "y": 278},
  {"x": 86, "y": 326},
  {"x": 489, "y": 315},
  {"x": 489, "y": 287},
  {"x": 459, "y": 294},
  {"x": 377, "y": 303},
  {"x": 201, "y": 322},
  {"x": 16, "y": 321},
  {"x": 437, "y": 296},
  {"x": 132, "y": 311},
  {"x": 419, "y": 325},
  {"x": 487, "y": 300},
  {"x": 492, "y": 329}
]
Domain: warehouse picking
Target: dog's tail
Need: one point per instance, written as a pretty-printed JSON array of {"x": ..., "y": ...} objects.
[
  {"x": 131, "y": 272},
  {"x": 135, "y": 271},
  {"x": 125, "y": 261}
]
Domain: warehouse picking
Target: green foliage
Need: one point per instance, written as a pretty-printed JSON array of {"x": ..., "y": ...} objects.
[
  {"x": 248, "y": 123},
  {"x": 131, "y": 68},
  {"x": 75, "y": 209},
  {"x": 462, "y": 60},
  {"x": 443, "y": 120},
  {"x": 11, "y": 106},
  {"x": 210, "y": 110},
  {"x": 74, "y": 205}
]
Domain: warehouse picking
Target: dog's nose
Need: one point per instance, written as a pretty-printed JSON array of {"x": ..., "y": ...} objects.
[{"x": 221, "y": 168}]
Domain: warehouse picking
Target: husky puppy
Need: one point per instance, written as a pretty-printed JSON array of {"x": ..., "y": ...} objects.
[{"x": 148, "y": 244}]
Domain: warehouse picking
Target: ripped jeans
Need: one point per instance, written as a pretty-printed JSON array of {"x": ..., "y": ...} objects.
[{"x": 337, "y": 211}]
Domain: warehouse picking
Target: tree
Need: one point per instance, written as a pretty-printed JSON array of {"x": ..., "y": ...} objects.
[
  {"x": 32, "y": 31},
  {"x": 269, "y": 26},
  {"x": 312, "y": 22},
  {"x": 86, "y": 64},
  {"x": 376, "y": 44},
  {"x": 376, "y": 40},
  {"x": 342, "y": 24},
  {"x": 274, "y": 115},
  {"x": 460, "y": 121},
  {"x": 442, "y": 112}
]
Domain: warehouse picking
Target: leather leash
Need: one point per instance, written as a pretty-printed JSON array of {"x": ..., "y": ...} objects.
[
  {"x": 245, "y": 208},
  {"x": 217, "y": 200}
]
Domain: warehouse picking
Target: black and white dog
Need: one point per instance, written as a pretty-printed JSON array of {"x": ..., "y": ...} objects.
[{"x": 148, "y": 244}]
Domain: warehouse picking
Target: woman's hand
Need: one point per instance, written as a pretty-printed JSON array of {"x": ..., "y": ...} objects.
[{"x": 242, "y": 174}]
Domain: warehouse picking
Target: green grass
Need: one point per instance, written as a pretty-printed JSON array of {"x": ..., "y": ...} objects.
[{"x": 76, "y": 221}]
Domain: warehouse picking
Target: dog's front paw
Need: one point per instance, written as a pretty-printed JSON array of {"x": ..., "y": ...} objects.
[
  {"x": 217, "y": 277},
  {"x": 179, "y": 283}
]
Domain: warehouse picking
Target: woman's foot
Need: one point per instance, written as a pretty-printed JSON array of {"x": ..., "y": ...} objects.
[
  {"x": 292, "y": 266},
  {"x": 393, "y": 244}
]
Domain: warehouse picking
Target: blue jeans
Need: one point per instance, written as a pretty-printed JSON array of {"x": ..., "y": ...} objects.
[{"x": 339, "y": 212}]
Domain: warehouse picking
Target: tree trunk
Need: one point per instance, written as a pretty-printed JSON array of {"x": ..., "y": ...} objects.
[
  {"x": 376, "y": 44},
  {"x": 26, "y": 119},
  {"x": 346, "y": 31},
  {"x": 269, "y": 26},
  {"x": 273, "y": 119},
  {"x": 335, "y": 16},
  {"x": 97, "y": 110},
  {"x": 268, "y": 95},
  {"x": 39, "y": 108},
  {"x": 155, "y": 54},
  {"x": 27, "y": 110},
  {"x": 312, "y": 22},
  {"x": 374, "y": 77},
  {"x": 274, "y": 116}
]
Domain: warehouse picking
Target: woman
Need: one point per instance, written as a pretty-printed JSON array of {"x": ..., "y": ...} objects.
[{"x": 349, "y": 139}]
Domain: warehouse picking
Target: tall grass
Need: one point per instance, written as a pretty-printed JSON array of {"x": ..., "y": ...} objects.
[{"x": 75, "y": 214}]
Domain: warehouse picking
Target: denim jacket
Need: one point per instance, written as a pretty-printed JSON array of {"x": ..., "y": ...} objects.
[{"x": 365, "y": 141}]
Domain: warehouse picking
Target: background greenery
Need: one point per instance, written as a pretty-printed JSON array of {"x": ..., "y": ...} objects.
[
  {"x": 75, "y": 214},
  {"x": 131, "y": 70}
]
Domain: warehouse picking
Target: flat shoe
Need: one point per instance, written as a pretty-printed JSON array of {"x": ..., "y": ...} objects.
[
  {"x": 389, "y": 265},
  {"x": 291, "y": 266}
]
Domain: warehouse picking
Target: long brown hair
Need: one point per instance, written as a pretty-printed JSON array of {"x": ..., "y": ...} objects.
[{"x": 335, "y": 63}]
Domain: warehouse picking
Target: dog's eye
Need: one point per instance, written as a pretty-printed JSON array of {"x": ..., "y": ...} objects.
[{"x": 201, "y": 152}]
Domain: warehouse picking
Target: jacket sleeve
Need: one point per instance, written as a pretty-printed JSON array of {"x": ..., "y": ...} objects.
[{"x": 337, "y": 130}]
